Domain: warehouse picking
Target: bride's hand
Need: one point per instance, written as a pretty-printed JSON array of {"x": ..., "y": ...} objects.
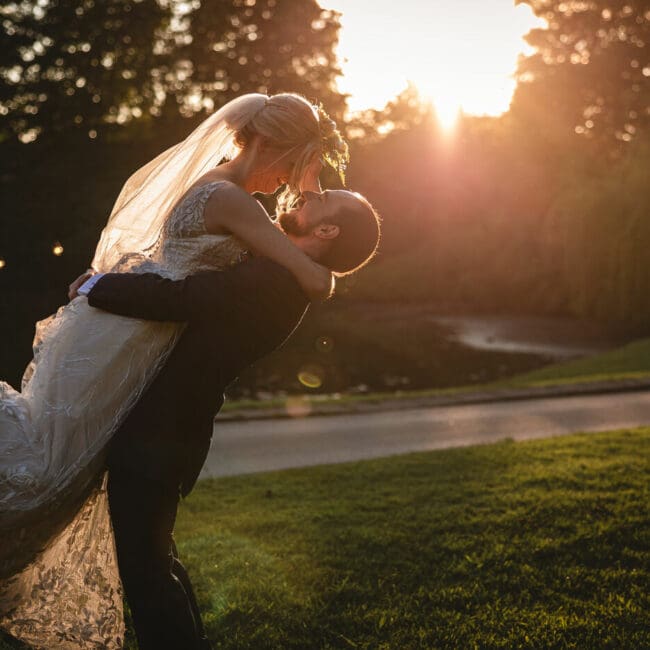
[{"x": 74, "y": 287}]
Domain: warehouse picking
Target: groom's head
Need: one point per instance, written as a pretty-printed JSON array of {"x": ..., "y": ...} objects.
[{"x": 337, "y": 228}]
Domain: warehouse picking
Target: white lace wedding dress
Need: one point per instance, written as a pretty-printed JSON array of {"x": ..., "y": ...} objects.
[{"x": 59, "y": 585}]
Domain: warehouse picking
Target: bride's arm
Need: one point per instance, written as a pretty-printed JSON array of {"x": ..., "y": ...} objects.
[{"x": 234, "y": 211}]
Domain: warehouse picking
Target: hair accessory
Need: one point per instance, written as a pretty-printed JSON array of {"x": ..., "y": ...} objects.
[{"x": 334, "y": 148}]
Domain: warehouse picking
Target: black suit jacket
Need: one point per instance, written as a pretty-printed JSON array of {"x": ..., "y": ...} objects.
[{"x": 233, "y": 317}]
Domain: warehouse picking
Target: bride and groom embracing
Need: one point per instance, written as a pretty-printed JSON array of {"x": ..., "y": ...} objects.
[{"x": 192, "y": 282}]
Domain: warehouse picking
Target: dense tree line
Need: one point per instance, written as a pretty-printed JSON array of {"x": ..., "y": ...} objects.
[
  {"x": 497, "y": 221},
  {"x": 545, "y": 210},
  {"x": 91, "y": 65}
]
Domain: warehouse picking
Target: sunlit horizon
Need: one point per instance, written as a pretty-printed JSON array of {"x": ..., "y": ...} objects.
[{"x": 460, "y": 55}]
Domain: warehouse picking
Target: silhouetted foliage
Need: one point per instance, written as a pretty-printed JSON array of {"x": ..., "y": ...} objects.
[
  {"x": 89, "y": 65},
  {"x": 75, "y": 65},
  {"x": 591, "y": 70},
  {"x": 263, "y": 46},
  {"x": 496, "y": 219},
  {"x": 405, "y": 111}
]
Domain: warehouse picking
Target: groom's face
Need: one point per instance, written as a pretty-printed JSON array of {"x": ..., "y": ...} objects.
[
  {"x": 312, "y": 209},
  {"x": 304, "y": 215}
]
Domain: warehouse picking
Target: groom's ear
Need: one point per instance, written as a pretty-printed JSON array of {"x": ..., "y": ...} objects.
[{"x": 327, "y": 231}]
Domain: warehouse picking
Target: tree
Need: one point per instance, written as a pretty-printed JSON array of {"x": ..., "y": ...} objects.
[
  {"x": 402, "y": 113},
  {"x": 591, "y": 71},
  {"x": 70, "y": 66},
  {"x": 90, "y": 66},
  {"x": 263, "y": 46}
]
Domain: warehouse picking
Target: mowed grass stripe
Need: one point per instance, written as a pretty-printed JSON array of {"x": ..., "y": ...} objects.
[{"x": 536, "y": 544}]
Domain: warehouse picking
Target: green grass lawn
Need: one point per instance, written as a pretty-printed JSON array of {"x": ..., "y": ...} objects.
[
  {"x": 628, "y": 362},
  {"x": 540, "y": 544}
]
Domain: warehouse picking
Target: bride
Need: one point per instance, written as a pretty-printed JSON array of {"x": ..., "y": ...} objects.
[{"x": 59, "y": 585}]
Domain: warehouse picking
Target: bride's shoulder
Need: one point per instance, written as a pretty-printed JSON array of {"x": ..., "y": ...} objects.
[
  {"x": 210, "y": 206},
  {"x": 229, "y": 202},
  {"x": 223, "y": 192}
]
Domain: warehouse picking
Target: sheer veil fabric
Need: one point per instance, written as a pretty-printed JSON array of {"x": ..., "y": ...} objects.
[
  {"x": 59, "y": 584},
  {"x": 147, "y": 197}
]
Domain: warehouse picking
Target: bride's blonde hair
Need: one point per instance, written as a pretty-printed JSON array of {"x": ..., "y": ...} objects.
[
  {"x": 149, "y": 195},
  {"x": 290, "y": 122}
]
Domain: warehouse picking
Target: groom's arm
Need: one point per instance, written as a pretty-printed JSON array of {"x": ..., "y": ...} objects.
[
  {"x": 201, "y": 296},
  {"x": 148, "y": 296}
]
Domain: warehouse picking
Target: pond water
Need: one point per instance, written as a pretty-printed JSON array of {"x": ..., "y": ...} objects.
[
  {"x": 387, "y": 347},
  {"x": 556, "y": 338}
]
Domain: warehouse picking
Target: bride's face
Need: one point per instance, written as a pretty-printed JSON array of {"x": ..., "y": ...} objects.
[{"x": 274, "y": 166}]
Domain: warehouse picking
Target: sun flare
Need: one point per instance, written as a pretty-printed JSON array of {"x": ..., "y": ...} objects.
[{"x": 460, "y": 54}]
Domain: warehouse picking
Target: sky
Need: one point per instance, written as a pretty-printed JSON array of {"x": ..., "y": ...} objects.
[{"x": 461, "y": 54}]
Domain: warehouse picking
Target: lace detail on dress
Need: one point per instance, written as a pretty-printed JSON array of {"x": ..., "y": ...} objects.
[
  {"x": 84, "y": 610},
  {"x": 60, "y": 585},
  {"x": 184, "y": 246},
  {"x": 187, "y": 220}
]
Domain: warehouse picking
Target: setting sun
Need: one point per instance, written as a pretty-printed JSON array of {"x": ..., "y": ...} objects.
[{"x": 460, "y": 55}]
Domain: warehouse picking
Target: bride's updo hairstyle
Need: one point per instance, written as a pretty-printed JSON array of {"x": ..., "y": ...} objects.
[{"x": 290, "y": 123}]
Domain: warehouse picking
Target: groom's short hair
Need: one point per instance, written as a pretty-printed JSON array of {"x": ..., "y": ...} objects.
[{"x": 358, "y": 238}]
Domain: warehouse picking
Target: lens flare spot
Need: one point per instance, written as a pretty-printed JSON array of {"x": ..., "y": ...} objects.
[
  {"x": 57, "y": 249},
  {"x": 2, "y": 263},
  {"x": 297, "y": 407},
  {"x": 324, "y": 343},
  {"x": 311, "y": 376}
]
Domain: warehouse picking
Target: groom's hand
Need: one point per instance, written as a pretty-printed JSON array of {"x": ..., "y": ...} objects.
[{"x": 73, "y": 288}]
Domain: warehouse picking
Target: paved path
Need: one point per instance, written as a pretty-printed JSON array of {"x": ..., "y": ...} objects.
[{"x": 245, "y": 447}]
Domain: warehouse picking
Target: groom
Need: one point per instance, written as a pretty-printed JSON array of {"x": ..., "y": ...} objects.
[{"x": 234, "y": 317}]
